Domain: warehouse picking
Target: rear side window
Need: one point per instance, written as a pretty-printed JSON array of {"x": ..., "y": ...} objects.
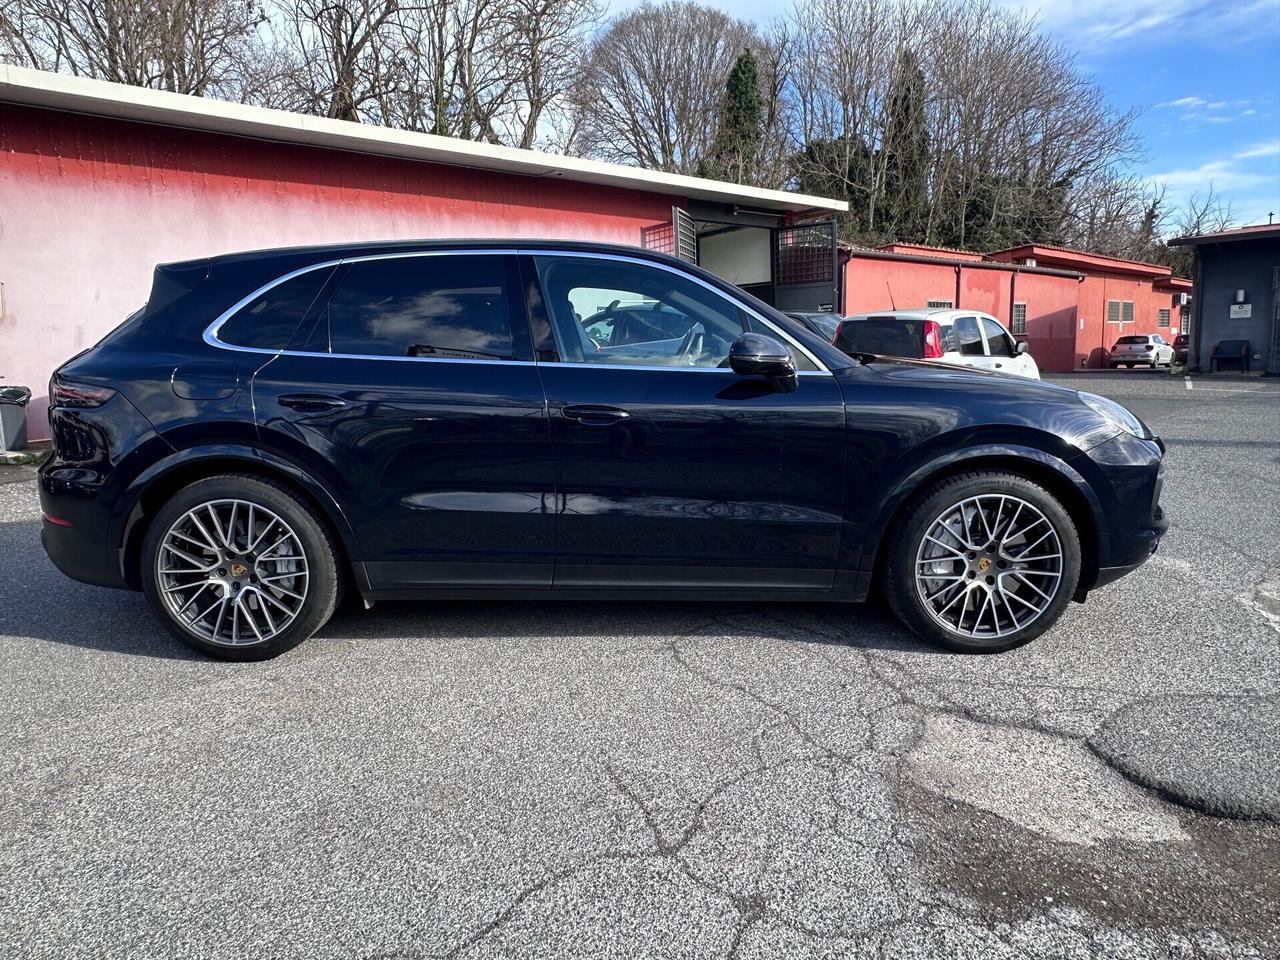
[
  {"x": 970, "y": 336},
  {"x": 446, "y": 307},
  {"x": 269, "y": 320}
]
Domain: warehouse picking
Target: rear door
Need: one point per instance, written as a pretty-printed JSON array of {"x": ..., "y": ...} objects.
[
  {"x": 672, "y": 470},
  {"x": 411, "y": 391}
]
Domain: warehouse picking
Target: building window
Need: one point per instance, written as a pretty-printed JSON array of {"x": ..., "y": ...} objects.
[
  {"x": 1162, "y": 318},
  {"x": 1119, "y": 311},
  {"x": 1184, "y": 315},
  {"x": 1019, "y": 319},
  {"x": 939, "y": 305}
]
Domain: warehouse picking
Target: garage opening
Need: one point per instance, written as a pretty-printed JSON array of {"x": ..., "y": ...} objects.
[{"x": 793, "y": 267}]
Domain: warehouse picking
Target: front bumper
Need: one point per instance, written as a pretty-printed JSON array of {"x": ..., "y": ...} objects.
[{"x": 1130, "y": 474}]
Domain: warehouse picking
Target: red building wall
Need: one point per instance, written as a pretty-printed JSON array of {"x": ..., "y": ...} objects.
[
  {"x": 1052, "y": 319},
  {"x": 89, "y": 205},
  {"x": 875, "y": 283},
  {"x": 1097, "y": 336}
]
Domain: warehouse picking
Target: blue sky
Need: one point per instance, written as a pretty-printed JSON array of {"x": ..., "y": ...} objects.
[{"x": 1206, "y": 76}]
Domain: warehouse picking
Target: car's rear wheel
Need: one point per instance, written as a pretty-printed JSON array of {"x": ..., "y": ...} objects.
[
  {"x": 240, "y": 568},
  {"x": 983, "y": 562}
]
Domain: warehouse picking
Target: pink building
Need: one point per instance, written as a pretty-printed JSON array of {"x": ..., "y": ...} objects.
[{"x": 1069, "y": 306}]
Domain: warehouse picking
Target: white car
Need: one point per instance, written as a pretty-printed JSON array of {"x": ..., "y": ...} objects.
[
  {"x": 966, "y": 338},
  {"x": 1142, "y": 348}
]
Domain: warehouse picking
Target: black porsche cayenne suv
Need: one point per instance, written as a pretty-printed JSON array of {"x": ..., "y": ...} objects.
[{"x": 491, "y": 419}]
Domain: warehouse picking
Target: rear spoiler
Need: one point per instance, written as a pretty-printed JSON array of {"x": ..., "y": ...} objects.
[{"x": 173, "y": 280}]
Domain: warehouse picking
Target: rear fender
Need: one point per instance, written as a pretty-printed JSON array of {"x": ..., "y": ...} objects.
[{"x": 213, "y": 459}]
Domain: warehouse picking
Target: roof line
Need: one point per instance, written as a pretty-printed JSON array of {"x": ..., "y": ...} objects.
[
  {"x": 958, "y": 262},
  {"x": 57, "y": 91}
]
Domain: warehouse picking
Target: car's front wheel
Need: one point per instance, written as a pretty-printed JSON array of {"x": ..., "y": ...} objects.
[
  {"x": 240, "y": 568},
  {"x": 982, "y": 562}
]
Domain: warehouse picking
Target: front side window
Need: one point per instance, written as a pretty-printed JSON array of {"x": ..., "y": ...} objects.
[
  {"x": 969, "y": 335},
  {"x": 998, "y": 341},
  {"x": 614, "y": 312},
  {"x": 451, "y": 306},
  {"x": 268, "y": 321}
]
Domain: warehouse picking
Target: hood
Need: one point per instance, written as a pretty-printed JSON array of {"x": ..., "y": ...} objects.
[{"x": 906, "y": 371}]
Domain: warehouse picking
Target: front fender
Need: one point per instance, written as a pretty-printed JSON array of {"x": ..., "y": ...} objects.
[{"x": 987, "y": 455}]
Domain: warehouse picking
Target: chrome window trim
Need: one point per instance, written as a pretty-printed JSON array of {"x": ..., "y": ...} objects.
[
  {"x": 623, "y": 258},
  {"x": 211, "y": 332}
]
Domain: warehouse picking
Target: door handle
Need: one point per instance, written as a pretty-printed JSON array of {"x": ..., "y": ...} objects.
[
  {"x": 999, "y": 366},
  {"x": 310, "y": 402},
  {"x": 592, "y": 415}
]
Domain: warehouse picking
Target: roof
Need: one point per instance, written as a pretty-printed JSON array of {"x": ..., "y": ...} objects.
[
  {"x": 924, "y": 249},
  {"x": 99, "y": 98},
  {"x": 1258, "y": 231},
  {"x": 1067, "y": 258},
  {"x": 953, "y": 261}
]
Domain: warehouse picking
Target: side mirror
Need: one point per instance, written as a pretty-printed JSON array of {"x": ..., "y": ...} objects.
[
  {"x": 755, "y": 355},
  {"x": 1022, "y": 347}
]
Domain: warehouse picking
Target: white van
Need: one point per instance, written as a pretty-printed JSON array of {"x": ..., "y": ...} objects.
[{"x": 966, "y": 338}]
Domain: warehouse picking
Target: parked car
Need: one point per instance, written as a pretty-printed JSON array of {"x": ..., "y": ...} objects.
[
  {"x": 965, "y": 338},
  {"x": 1181, "y": 347},
  {"x": 823, "y": 324},
  {"x": 422, "y": 419},
  {"x": 1144, "y": 348}
]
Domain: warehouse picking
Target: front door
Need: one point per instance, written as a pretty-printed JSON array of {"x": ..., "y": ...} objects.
[
  {"x": 672, "y": 470},
  {"x": 411, "y": 391}
]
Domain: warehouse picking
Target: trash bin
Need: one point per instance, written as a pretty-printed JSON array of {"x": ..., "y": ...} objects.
[{"x": 13, "y": 417}]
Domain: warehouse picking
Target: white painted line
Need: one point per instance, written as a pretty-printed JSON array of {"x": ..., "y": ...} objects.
[{"x": 1188, "y": 382}]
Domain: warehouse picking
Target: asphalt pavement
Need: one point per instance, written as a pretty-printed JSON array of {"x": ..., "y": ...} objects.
[{"x": 538, "y": 779}]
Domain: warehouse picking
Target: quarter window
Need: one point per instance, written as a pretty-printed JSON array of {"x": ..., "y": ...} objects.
[
  {"x": 970, "y": 337},
  {"x": 268, "y": 321},
  {"x": 613, "y": 312},
  {"x": 451, "y": 306}
]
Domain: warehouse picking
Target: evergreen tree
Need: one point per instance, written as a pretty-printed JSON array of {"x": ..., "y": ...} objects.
[
  {"x": 735, "y": 150},
  {"x": 903, "y": 209}
]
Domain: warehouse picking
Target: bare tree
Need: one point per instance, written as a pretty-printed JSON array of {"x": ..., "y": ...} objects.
[
  {"x": 657, "y": 75},
  {"x": 201, "y": 47}
]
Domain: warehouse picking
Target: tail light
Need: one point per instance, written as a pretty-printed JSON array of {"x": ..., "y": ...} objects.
[
  {"x": 932, "y": 340},
  {"x": 69, "y": 393},
  {"x": 1147, "y": 347}
]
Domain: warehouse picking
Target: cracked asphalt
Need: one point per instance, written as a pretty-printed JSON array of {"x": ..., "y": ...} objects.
[{"x": 543, "y": 779}]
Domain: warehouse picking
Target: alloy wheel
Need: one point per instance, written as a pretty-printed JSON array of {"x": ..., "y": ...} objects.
[
  {"x": 232, "y": 572},
  {"x": 988, "y": 566}
]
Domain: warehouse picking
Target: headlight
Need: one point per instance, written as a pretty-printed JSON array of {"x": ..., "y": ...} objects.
[{"x": 1117, "y": 414}]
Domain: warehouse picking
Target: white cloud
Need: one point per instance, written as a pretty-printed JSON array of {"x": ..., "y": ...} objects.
[
  {"x": 1220, "y": 174},
  {"x": 1093, "y": 23},
  {"x": 1269, "y": 148}
]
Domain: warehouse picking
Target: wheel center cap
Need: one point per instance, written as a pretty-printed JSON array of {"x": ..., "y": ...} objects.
[
  {"x": 983, "y": 565},
  {"x": 238, "y": 569}
]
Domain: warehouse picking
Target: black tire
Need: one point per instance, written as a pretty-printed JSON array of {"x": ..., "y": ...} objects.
[
  {"x": 1130, "y": 366},
  {"x": 312, "y": 532},
  {"x": 900, "y": 588},
  {"x": 1115, "y": 366}
]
